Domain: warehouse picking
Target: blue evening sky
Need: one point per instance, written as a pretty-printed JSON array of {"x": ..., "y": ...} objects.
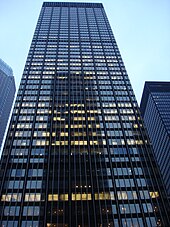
[{"x": 141, "y": 29}]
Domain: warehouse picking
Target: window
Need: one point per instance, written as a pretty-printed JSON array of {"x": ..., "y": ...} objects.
[
  {"x": 34, "y": 184},
  {"x": 35, "y": 172},
  {"x": 152, "y": 222},
  {"x": 79, "y": 196},
  {"x": 14, "y": 184},
  {"x": 18, "y": 173},
  {"x": 147, "y": 208},
  {"x": 9, "y": 223},
  {"x": 11, "y": 211},
  {"x": 13, "y": 197},
  {"x": 32, "y": 197},
  {"x": 31, "y": 211},
  {"x": 137, "y": 222},
  {"x": 124, "y": 183},
  {"x": 104, "y": 196},
  {"x": 30, "y": 224}
]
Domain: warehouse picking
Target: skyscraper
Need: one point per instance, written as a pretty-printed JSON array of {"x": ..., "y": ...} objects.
[
  {"x": 7, "y": 93},
  {"x": 155, "y": 109},
  {"x": 76, "y": 153}
]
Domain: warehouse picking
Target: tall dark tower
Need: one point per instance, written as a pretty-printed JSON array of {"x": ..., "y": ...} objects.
[
  {"x": 7, "y": 93},
  {"x": 155, "y": 109},
  {"x": 76, "y": 154}
]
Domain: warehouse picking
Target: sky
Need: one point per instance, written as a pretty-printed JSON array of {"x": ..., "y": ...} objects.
[{"x": 141, "y": 29}]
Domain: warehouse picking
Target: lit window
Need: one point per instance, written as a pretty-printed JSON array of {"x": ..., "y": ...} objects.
[
  {"x": 53, "y": 197},
  {"x": 79, "y": 196},
  {"x": 154, "y": 194},
  {"x": 32, "y": 197},
  {"x": 122, "y": 195},
  {"x": 64, "y": 197},
  {"x": 104, "y": 196},
  {"x": 15, "y": 197}
]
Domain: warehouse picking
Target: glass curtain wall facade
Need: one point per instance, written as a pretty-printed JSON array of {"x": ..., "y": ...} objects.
[
  {"x": 155, "y": 109},
  {"x": 7, "y": 93},
  {"x": 76, "y": 153}
]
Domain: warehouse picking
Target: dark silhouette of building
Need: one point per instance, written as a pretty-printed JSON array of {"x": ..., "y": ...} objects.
[
  {"x": 7, "y": 93},
  {"x": 76, "y": 153},
  {"x": 155, "y": 109}
]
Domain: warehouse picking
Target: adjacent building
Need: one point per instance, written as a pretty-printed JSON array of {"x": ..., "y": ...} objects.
[
  {"x": 76, "y": 153},
  {"x": 155, "y": 109},
  {"x": 7, "y": 93}
]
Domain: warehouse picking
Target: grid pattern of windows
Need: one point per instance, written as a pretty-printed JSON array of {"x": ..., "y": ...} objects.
[
  {"x": 76, "y": 153},
  {"x": 7, "y": 93},
  {"x": 155, "y": 108}
]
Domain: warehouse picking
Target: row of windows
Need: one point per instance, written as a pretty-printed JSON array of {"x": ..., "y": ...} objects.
[
  {"x": 121, "y": 195},
  {"x": 115, "y": 151},
  {"x": 137, "y": 222},
  {"x": 39, "y": 172},
  {"x": 111, "y": 127},
  {"x": 80, "y": 133},
  {"x": 42, "y": 159},
  {"x": 31, "y": 184},
  {"x": 79, "y": 115},
  {"x": 37, "y": 184},
  {"x": 27, "y": 211},
  {"x": 35, "y": 210},
  {"x": 31, "y": 173},
  {"x": 42, "y": 142}
]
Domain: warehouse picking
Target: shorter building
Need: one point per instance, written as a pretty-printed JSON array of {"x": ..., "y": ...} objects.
[
  {"x": 7, "y": 93},
  {"x": 155, "y": 109}
]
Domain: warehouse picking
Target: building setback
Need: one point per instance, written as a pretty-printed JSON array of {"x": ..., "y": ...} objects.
[
  {"x": 7, "y": 93},
  {"x": 155, "y": 109},
  {"x": 76, "y": 153}
]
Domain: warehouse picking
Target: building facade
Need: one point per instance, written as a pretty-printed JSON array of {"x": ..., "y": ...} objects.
[
  {"x": 76, "y": 152},
  {"x": 155, "y": 109},
  {"x": 7, "y": 93}
]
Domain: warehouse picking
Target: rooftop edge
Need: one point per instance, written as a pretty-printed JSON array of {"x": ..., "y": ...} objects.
[{"x": 72, "y": 4}]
